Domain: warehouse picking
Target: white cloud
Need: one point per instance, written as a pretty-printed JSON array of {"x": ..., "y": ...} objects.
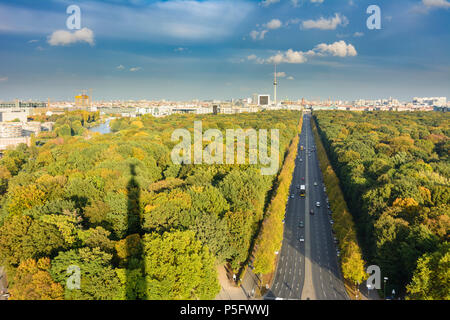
[
  {"x": 289, "y": 56},
  {"x": 3, "y": 79},
  {"x": 253, "y": 57},
  {"x": 436, "y": 3},
  {"x": 358, "y": 34},
  {"x": 64, "y": 38},
  {"x": 290, "y": 78},
  {"x": 266, "y": 3},
  {"x": 258, "y": 35},
  {"x": 150, "y": 21},
  {"x": 274, "y": 24},
  {"x": 135, "y": 69},
  {"x": 121, "y": 67},
  {"x": 317, "y": 1},
  {"x": 337, "y": 49},
  {"x": 281, "y": 74},
  {"x": 326, "y": 24}
]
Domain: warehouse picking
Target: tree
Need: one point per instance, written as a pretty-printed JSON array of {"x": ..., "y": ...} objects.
[
  {"x": 5, "y": 175},
  {"x": 353, "y": 264},
  {"x": 99, "y": 280},
  {"x": 179, "y": 267},
  {"x": 24, "y": 197},
  {"x": 239, "y": 236},
  {"x": 431, "y": 279},
  {"x": 212, "y": 231},
  {"x": 33, "y": 282},
  {"x": 23, "y": 238}
]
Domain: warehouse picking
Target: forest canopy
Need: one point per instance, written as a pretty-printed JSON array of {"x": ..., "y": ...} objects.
[
  {"x": 137, "y": 225},
  {"x": 394, "y": 170}
]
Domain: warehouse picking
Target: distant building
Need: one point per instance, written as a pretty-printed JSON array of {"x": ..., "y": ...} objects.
[
  {"x": 21, "y": 104},
  {"x": 82, "y": 101},
  {"x": 263, "y": 100},
  {"x": 433, "y": 101},
  {"x": 14, "y": 115},
  {"x": 6, "y": 143},
  {"x": 10, "y": 130}
]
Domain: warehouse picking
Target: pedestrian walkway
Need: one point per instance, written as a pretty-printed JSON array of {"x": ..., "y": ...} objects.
[
  {"x": 3, "y": 284},
  {"x": 367, "y": 294},
  {"x": 229, "y": 291}
]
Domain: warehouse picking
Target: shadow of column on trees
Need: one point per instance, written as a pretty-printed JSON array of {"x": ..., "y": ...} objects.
[{"x": 135, "y": 280}]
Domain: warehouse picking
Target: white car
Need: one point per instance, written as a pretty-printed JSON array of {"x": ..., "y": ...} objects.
[
  {"x": 317, "y": 204},
  {"x": 315, "y": 183},
  {"x": 301, "y": 240}
]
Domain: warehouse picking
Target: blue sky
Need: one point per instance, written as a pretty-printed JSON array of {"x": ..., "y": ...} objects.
[{"x": 223, "y": 49}]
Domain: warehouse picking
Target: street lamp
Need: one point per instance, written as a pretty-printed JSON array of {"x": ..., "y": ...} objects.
[{"x": 385, "y": 280}]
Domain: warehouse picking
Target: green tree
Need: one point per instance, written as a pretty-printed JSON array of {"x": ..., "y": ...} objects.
[
  {"x": 431, "y": 280},
  {"x": 99, "y": 280},
  {"x": 179, "y": 267}
]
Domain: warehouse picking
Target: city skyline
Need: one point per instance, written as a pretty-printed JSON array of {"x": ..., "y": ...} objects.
[{"x": 183, "y": 50}]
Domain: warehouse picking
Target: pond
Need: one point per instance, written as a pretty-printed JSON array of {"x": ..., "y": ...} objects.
[{"x": 103, "y": 128}]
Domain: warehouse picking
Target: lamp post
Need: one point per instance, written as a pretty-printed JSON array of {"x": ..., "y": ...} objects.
[{"x": 385, "y": 280}]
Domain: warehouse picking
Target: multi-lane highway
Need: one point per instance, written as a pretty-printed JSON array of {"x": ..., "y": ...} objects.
[{"x": 307, "y": 267}]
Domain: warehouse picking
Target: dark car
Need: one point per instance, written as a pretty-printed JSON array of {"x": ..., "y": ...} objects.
[{"x": 311, "y": 212}]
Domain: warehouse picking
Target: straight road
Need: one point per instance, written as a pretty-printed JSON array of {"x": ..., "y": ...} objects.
[
  {"x": 290, "y": 274},
  {"x": 327, "y": 280},
  {"x": 307, "y": 269}
]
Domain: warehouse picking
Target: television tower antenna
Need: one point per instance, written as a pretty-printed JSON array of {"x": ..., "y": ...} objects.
[{"x": 275, "y": 84}]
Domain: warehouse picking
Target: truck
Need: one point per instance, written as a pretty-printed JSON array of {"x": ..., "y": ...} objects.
[{"x": 302, "y": 190}]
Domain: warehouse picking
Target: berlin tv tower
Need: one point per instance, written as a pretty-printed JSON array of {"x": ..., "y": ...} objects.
[{"x": 275, "y": 84}]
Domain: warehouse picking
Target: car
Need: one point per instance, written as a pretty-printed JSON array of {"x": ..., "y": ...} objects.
[
  {"x": 303, "y": 178},
  {"x": 328, "y": 206},
  {"x": 298, "y": 186},
  {"x": 311, "y": 212},
  {"x": 301, "y": 224},
  {"x": 331, "y": 222},
  {"x": 301, "y": 160},
  {"x": 301, "y": 240},
  {"x": 338, "y": 253},
  {"x": 315, "y": 183},
  {"x": 317, "y": 204}
]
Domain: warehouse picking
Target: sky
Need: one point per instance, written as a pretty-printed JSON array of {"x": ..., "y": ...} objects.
[{"x": 223, "y": 49}]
